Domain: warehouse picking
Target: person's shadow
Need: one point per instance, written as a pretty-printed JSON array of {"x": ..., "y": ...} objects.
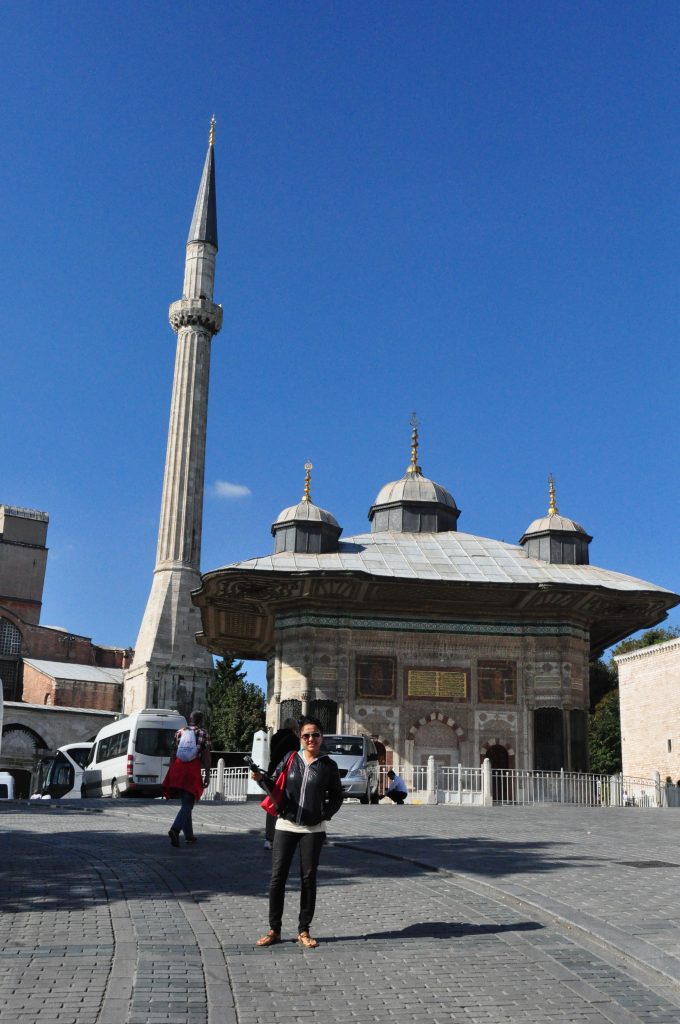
[{"x": 439, "y": 930}]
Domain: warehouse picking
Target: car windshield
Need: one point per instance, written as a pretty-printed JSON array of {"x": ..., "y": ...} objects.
[
  {"x": 352, "y": 745},
  {"x": 60, "y": 773},
  {"x": 80, "y": 755},
  {"x": 155, "y": 742}
]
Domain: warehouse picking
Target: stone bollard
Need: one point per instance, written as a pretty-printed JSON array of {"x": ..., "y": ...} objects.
[
  {"x": 431, "y": 780},
  {"x": 657, "y": 789},
  {"x": 219, "y": 788},
  {"x": 487, "y": 783}
]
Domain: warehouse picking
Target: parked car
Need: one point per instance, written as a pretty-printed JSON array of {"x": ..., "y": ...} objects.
[
  {"x": 131, "y": 755},
  {"x": 357, "y": 759},
  {"x": 64, "y": 778}
]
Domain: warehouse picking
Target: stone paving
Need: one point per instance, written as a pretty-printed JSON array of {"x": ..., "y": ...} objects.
[{"x": 427, "y": 914}]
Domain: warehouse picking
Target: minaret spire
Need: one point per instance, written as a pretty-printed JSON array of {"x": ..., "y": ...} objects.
[
  {"x": 307, "y": 496},
  {"x": 413, "y": 469},
  {"x": 552, "y": 507},
  {"x": 169, "y": 668}
]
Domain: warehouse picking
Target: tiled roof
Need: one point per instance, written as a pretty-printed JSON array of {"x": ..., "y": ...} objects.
[
  {"x": 448, "y": 556},
  {"x": 79, "y": 673}
]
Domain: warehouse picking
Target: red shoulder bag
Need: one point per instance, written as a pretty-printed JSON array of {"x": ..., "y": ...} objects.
[{"x": 273, "y": 801}]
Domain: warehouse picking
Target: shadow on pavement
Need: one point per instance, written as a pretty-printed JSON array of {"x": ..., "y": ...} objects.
[
  {"x": 440, "y": 930},
  {"x": 84, "y": 864}
]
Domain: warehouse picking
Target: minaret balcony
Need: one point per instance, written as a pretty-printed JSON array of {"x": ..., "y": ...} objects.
[{"x": 195, "y": 313}]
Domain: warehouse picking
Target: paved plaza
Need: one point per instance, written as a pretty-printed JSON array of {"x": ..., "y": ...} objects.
[{"x": 425, "y": 914}]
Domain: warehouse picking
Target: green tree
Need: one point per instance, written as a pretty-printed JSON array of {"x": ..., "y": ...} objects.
[
  {"x": 235, "y": 707},
  {"x": 604, "y": 736},
  {"x": 603, "y": 678},
  {"x": 658, "y": 635}
]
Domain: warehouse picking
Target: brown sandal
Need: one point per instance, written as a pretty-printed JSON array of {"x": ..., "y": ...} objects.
[
  {"x": 269, "y": 939},
  {"x": 306, "y": 940}
]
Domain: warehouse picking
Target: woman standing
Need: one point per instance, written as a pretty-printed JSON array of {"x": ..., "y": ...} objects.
[
  {"x": 313, "y": 794},
  {"x": 184, "y": 776}
]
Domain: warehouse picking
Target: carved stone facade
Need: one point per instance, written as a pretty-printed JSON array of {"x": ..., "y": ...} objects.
[{"x": 445, "y": 689}]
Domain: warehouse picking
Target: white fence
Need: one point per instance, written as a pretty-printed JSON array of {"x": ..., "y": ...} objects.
[
  {"x": 486, "y": 786},
  {"x": 227, "y": 784}
]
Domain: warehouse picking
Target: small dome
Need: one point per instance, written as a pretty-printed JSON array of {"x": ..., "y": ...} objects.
[
  {"x": 555, "y": 538},
  {"x": 305, "y": 512},
  {"x": 305, "y": 528},
  {"x": 413, "y": 487},
  {"x": 555, "y": 523}
]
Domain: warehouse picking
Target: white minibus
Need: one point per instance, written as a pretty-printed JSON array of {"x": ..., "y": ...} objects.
[
  {"x": 65, "y": 775},
  {"x": 132, "y": 755},
  {"x": 6, "y": 786}
]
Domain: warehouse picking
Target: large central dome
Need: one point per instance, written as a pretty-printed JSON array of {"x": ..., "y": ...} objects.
[{"x": 413, "y": 504}]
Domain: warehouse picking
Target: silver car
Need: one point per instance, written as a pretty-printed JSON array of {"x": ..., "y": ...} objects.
[{"x": 357, "y": 759}]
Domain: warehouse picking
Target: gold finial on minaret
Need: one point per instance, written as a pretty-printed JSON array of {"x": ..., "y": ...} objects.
[
  {"x": 552, "y": 507},
  {"x": 308, "y": 481},
  {"x": 413, "y": 468},
  {"x": 211, "y": 137}
]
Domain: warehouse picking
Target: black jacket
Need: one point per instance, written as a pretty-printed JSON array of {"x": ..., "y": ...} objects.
[{"x": 313, "y": 791}]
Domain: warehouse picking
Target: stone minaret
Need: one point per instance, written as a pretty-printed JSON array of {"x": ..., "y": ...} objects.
[{"x": 169, "y": 668}]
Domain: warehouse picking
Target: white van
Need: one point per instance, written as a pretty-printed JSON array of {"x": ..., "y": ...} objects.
[
  {"x": 64, "y": 778},
  {"x": 6, "y": 786},
  {"x": 132, "y": 755}
]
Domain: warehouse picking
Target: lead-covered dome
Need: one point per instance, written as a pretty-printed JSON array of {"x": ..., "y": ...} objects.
[
  {"x": 555, "y": 538},
  {"x": 305, "y": 527},
  {"x": 413, "y": 504}
]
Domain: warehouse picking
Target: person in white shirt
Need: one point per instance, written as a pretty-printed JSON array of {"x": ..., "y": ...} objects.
[{"x": 396, "y": 790}]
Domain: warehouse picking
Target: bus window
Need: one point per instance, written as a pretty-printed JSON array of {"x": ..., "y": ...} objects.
[{"x": 155, "y": 742}]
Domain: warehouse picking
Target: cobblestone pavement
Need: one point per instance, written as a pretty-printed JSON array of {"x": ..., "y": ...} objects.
[{"x": 427, "y": 914}]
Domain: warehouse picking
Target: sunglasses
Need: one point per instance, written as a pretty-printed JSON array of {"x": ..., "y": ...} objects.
[{"x": 310, "y": 735}]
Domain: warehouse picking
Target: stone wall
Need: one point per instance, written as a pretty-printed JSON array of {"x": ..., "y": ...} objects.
[{"x": 649, "y": 691}]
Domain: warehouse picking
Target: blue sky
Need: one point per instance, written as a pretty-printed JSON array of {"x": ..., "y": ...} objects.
[{"x": 467, "y": 209}]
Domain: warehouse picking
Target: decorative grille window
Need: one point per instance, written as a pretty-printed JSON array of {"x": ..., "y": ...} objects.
[
  {"x": 290, "y": 709},
  {"x": 548, "y": 739},
  {"x": 327, "y": 713},
  {"x": 578, "y": 730},
  {"x": 10, "y": 638}
]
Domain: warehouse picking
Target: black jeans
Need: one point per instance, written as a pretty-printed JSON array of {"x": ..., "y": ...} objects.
[
  {"x": 397, "y": 796},
  {"x": 285, "y": 845}
]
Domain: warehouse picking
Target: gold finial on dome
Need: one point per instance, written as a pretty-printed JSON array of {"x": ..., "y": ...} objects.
[
  {"x": 413, "y": 468},
  {"x": 211, "y": 136},
  {"x": 308, "y": 481},
  {"x": 552, "y": 507}
]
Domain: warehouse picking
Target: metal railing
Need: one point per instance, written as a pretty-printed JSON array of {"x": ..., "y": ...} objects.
[
  {"x": 485, "y": 786},
  {"x": 232, "y": 788},
  {"x": 459, "y": 785}
]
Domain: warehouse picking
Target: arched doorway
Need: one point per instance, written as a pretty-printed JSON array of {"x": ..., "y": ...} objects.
[
  {"x": 502, "y": 759},
  {"x": 501, "y": 785},
  {"x": 498, "y": 755}
]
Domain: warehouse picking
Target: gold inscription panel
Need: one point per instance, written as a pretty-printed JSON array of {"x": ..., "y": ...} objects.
[{"x": 448, "y": 684}]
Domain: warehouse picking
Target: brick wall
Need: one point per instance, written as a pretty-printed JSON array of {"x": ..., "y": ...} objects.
[{"x": 40, "y": 688}]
